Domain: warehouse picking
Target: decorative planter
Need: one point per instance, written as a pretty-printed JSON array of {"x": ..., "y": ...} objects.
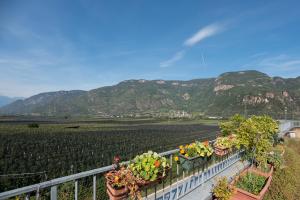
[
  {"x": 221, "y": 152},
  {"x": 241, "y": 194},
  {"x": 117, "y": 193},
  {"x": 190, "y": 163}
]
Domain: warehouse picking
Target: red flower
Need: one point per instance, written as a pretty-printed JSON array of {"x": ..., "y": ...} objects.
[
  {"x": 157, "y": 164},
  {"x": 206, "y": 143}
]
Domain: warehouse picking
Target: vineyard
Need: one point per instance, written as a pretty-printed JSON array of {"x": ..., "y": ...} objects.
[{"x": 31, "y": 154}]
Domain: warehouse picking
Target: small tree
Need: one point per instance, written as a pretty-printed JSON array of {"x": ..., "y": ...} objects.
[
  {"x": 231, "y": 126},
  {"x": 256, "y": 136}
]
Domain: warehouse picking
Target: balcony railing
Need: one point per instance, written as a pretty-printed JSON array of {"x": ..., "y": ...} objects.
[{"x": 176, "y": 186}]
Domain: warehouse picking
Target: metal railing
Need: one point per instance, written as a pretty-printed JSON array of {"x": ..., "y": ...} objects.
[{"x": 286, "y": 125}]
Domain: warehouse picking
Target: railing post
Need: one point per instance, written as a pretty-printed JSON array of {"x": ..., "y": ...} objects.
[
  {"x": 53, "y": 193},
  {"x": 94, "y": 187},
  {"x": 171, "y": 168},
  {"x": 76, "y": 190}
]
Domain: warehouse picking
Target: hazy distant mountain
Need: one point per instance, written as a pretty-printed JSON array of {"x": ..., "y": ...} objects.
[
  {"x": 245, "y": 91},
  {"x": 4, "y": 100}
]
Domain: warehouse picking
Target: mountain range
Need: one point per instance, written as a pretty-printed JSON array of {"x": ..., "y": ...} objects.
[
  {"x": 246, "y": 92},
  {"x": 4, "y": 100}
]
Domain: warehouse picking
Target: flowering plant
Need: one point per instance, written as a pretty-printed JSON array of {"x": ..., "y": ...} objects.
[
  {"x": 224, "y": 142},
  {"x": 149, "y": 166},
  {"x": 116, "y": 178},
  {"x": 202, "y": 149},
  {"x": 124, "y": 178}
]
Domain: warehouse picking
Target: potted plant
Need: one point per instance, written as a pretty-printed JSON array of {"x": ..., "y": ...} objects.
[
  {"x": 116, "y": 184},
  {"x": 251, "y": 185},
  {"x": 149, "y": 168},
  {"x": 222, "y": 146},
  {"x": 194, "y": 154},
  {"x": 222, "y": 190},
  {"x": 121, "y": 182},
  {"x": 255, "y": 135}
]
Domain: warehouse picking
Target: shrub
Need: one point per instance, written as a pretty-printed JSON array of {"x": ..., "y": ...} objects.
[
  {"x": 222, "y": 190},
  {"x": 275, "y": 159},
  {"x": 33, "y": 125},
  {"x": 231, "y": 126},
  {"x": 256, "y": 135}
]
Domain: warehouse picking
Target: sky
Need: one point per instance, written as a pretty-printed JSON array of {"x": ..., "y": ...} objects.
[{"x": 65, "y": 45}]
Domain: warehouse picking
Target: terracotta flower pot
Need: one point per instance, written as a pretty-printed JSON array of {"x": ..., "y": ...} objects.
[
  {"x": 241, "y": 194},
  {"x": 117, "y": 193},
  {"x": 220, "y": 151}
]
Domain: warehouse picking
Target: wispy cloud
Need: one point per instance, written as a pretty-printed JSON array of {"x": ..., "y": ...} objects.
[
  {"x": 178, "y": 56},
  {"x": 203, "y": 33},
  {"x": 276, "y": 65}
]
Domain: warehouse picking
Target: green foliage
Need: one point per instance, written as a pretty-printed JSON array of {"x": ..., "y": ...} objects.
[
  {"x": 275, "y": 159},
  {"x": 256, "y": 135},
  {"x": 33, "y": 125},
  {"x": 251, "y": 182},
  {"x": 222, "y": 190},
  {"x": 149, "y": 166},
  {"x": 231, "y": 126}
]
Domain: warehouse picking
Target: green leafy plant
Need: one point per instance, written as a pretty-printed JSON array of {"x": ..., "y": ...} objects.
[
  {"x": 149, "y": 166},
  {"x": 255, "y": 135},
  {"x": 251, "y": 182},
  {"x": 222, "y": 190},
  {"x": 275, "y": 159},
  {"x": 231, "y": 126}
]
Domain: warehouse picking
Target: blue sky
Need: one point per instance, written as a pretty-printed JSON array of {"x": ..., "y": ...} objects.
[{"x": 63, "y": 45}]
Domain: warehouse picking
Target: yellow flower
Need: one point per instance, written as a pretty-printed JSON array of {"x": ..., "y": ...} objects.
[
  {"x": 176, "y": 158},
  {"x": 186, "y": 155},
  {"x": 181, "y": 151},
  {"x": 180, "y": 147},
  {"x": 187, "y": 146}
]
